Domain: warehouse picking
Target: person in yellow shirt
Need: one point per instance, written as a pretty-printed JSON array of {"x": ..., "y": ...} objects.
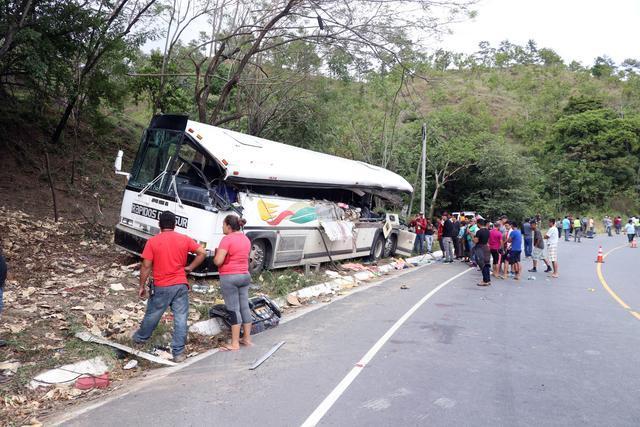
[{"x": 577, "y": 229}]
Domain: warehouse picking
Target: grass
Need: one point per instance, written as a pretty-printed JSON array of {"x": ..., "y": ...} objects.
[{"x": 282, "y": 282}]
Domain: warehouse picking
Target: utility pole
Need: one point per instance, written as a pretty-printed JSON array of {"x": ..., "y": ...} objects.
[{"x": 424, "y": 165}]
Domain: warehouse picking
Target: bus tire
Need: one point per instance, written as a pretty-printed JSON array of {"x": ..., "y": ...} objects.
[
  {"x": 377, "y": 249},
  {"x": 390, "y": 246},
  {"x": 257, "y": 256}
]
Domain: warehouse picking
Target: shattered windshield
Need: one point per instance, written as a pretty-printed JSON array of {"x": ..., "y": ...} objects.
[{"x": 156, "y": 150}]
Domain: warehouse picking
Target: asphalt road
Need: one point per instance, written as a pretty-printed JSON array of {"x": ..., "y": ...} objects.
[{"x": 534, "y": 352}]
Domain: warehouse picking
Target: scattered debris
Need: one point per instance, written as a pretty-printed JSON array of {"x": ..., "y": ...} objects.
[
  {"x": 116, "y": 287},
  {"x": 10, "y": 366},
  {"x": 201, "y": 288},
  {"x": 63, "y": 393},
  {"x": 67, "y": 374},
  {"x": 85, "y": 336},
  {"x": 90, "y": 382},
  {"x": 208, "y": 327},
  {"x": 293, "y": 300},
  {"x": 267, "y": 355},
  {"x": 404, "y": 287},
  {"x": 131, "y": 364}
]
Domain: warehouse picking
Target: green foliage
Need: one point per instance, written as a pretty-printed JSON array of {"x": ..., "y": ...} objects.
[{"x": 596, "y": 155}]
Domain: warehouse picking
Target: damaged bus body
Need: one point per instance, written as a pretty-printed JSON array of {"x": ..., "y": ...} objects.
[{"x": 301, "y": 207}]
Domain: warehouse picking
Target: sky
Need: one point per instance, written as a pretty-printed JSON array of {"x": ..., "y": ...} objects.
[{"x": 578, "y": 30}]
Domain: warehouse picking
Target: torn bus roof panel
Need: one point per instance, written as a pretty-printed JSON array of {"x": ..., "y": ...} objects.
[{"x": 260, "y": 161}]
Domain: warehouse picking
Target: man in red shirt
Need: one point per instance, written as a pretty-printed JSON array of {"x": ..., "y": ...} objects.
[
  {"x": 166, "y": 254},
  {"x": 419, "y": 223}
]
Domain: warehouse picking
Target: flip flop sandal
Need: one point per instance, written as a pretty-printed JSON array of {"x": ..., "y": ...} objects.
[{"x": 225, "y": 348}]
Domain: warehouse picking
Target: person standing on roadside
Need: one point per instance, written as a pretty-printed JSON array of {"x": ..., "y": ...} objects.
[
  {"x": 528, "y": 238},
  {"x": 506, "y": 244},
  {"x": 566, "y": 228},
  {"x": 440, "y": 223},
  {"x": 515, "y": 238},
  {"x": 232, "y": 260},
  {"x": 448, "y": 232},
  {"x": 419, "y": 223},
  {"x": 457, "y": 223},
  {"x": 482, "y": 252},
  {"x": 577, "y": 229},
  {"x": 472, "y": 229},
  {"x": 552, "y": 238},
  {"x": 166, "y": 255},
  {"x": 462, "y": 240},
  {"x": 617, "y": 223},
  {"x": 538, "y": 249},
  {"x": 631, "y": 231},
  {"x": 428, "y": 236},
  {"x": 608, "y": 223},
  {"x": 495, "y": 246}
]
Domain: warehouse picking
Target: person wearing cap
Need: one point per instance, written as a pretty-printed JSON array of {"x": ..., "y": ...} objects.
[
  {"x": 166, "y": 255},
  {"x": 419, "y": 223}
]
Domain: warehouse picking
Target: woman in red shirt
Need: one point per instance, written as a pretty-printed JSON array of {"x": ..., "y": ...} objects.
[{"x": 232, "y": 259}]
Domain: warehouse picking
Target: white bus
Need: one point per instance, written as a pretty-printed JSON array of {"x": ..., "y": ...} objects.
[{"x": 301, "y": 207}]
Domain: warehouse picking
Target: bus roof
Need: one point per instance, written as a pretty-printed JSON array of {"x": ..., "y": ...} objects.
[{"x": 254, "y": 160}]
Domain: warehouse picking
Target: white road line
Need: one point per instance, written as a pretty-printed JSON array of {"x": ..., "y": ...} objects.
[{"x": 335, "y": 394}]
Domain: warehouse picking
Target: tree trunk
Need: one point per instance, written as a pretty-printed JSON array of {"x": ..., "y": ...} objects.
[
  {"x": 53, "y": 190},
  {"x": 432, "y": 207},
  {"x": 63, "y": 120}
]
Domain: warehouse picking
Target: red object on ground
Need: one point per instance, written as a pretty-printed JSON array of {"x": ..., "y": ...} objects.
[{"x": 87, "y": 383}]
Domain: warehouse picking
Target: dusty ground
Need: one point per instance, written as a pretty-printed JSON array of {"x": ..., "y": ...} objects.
[{"x": 61, "y": 279}]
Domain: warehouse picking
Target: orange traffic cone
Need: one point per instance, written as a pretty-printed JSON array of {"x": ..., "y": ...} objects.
[{"x": 600, "y": 256}]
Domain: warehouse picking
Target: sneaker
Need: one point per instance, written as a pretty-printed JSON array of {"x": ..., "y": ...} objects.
[
  {"x": 533, "y": 270},
  {"x": 180, "y": 358},
  {"x": 548, "y": 270}
]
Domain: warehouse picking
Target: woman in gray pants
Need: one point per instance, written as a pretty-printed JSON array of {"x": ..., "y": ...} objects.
[{"x": 232, "y": 259}]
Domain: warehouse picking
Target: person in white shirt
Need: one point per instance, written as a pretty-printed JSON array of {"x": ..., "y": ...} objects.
[
  {"x": 552, "y": 246},
  {"x": 631, "y": 231}
]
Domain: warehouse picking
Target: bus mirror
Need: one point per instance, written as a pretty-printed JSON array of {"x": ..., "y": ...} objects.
[
  {"x": 118, "y": 162},
  {"x": 118, "y": 165}
]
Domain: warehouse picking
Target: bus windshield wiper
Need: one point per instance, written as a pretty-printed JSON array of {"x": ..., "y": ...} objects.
[{"x": 160, "y": 176}]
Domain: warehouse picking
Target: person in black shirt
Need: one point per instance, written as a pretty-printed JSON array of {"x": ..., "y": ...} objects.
[
  {"x": 448, "y": 233},
  {"x": 483, "y": 254}
]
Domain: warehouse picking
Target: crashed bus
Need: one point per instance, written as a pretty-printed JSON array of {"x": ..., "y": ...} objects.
[{"x": 301, "y": 207}]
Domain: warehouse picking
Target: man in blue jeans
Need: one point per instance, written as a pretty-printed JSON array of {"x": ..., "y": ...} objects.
[
  {"x": 166, "y": 254},
  {"x": 566, "y": 228}
]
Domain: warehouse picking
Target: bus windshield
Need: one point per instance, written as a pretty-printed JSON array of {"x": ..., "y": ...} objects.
[{"x": 157, "y": 149}]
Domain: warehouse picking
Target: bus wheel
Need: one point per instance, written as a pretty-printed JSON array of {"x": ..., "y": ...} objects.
[
  {"x": 377, "y": 250},
  {"x": 390, "y": 246},
  {"x": 257, "y": 256}
]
